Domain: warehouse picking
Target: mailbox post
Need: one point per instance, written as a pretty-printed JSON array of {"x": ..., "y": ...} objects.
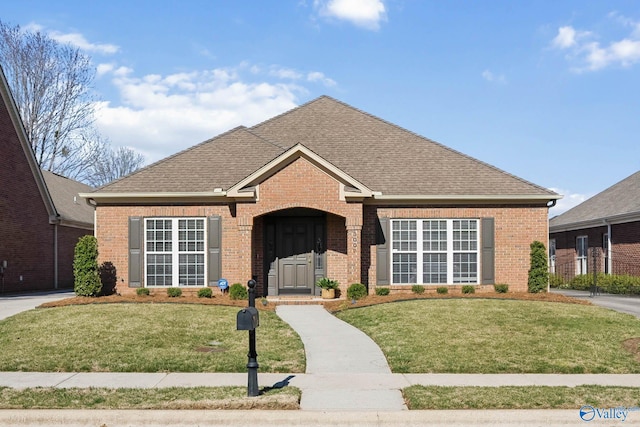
[{"x": 248, "y": 320}]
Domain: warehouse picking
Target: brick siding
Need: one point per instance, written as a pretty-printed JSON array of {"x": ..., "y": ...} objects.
[{"x": 350, "y": 228}]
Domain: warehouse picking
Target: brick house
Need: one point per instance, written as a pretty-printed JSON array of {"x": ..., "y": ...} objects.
[
  {"x": 41, "y": 215},
  {"x": 324, "y": 190},
  {"x": 602, "y": 233}
]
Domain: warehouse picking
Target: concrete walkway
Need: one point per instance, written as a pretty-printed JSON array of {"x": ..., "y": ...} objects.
[{"x": 349, "y": 370}]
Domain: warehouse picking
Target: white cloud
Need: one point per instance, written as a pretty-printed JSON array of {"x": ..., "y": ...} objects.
[
  {"x": 103, "y": 69},
  {"x": 494, "y": 78},
  {"x": 592, "y": 55},
  {"x": 368, "y": 14},
  {"x": 568, "y": 201},
  {"x": 160, "y": 115},
  {"x": 285, "y": 73},
  {"x": 79, "y": 41},
  {"x": 74, "y": 39},
  {"x": 316, "y": 76}
]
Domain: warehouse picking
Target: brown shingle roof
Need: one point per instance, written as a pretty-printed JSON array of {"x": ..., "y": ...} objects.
[
  {"x": 622, "y": 198},
  {"x": 64, "y": 193},
  {"x": 381, "y": 155}
]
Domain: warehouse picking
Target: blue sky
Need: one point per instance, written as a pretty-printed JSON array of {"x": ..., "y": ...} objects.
[{"x": 546, "y": 90}]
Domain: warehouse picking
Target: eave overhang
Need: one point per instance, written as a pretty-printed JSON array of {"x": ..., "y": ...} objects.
[
  {"x": 463, "y": 199},
  {"x": 98, "y": 198},
  {"x": 597, "y": 222}
]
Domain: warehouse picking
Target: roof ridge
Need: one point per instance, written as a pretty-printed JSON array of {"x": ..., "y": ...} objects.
[
  {"x": 291, "y": 110},
  {"x": 166, "y": 159},
  {"x": 440, "y": 145},
  {"x": 268, "y": 141}
]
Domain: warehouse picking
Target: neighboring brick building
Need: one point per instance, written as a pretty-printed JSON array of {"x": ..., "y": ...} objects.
[
  {"x": 41, "y": 215},
  {"x": 324, "y": 190},
  {"x": 602, "y": 233}
]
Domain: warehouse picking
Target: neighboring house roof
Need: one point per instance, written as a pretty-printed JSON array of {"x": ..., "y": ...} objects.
[
  {"x": 618, "y": 203},
  {"x": 376, "y": 155},
  {"x": 72, "y": 210}
]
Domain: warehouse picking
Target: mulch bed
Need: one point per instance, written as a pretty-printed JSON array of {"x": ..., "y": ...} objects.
[{"x": 331, "y": 305}]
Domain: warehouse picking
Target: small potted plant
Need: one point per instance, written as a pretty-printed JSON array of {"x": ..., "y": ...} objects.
[{"x": 328, "y": 287}]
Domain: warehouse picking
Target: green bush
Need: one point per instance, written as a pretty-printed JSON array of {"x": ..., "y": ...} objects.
[
  {"x": 556, "y": 281},
  {"x": 382, "y": 291},
  {"x": 86, "y": 274},
  {"x": 539, "y": 268},
  {"x": 501, "y": 289},
  {"x": 142, "y": 291},
  {"x": 609, "y": 283},
  {"x": 174, "y": 292},
  {"x": 442, "y": 290},
  {"x": 356, "y": 291},
  {"x": 417, "y": 289},
  {"x": 468, "y": 289},
  {"x": 237, "y": 291},
  {"x": 108, "y": 278},
  {"x": 205, "y": 293}
]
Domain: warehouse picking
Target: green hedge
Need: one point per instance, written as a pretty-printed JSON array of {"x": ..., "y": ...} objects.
[
  {"x": 609, "y": 283},
  {"x": 356, "y": 291},
  {"x": 85, "y": 268}
]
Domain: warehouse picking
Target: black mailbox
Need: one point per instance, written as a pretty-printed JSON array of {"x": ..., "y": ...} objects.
[{"x": 247, "y": 319}]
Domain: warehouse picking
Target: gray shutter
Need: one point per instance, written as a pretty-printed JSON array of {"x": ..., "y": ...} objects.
[
  {"x": 214, "y": 248},
  {"x": 135, "y": 252},
  {"x": 382, "y": 252},
  {"x": 488, "y": 251}
]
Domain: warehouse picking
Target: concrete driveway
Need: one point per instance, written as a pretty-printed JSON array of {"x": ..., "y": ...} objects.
[
  {"x": 12, "y": 304},
  {"x": 622, "y": 303}
]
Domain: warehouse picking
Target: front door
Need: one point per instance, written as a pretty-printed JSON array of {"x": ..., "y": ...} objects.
[
  {"x": 295, "y": 254},
  {"x": 295, "y": 257}
]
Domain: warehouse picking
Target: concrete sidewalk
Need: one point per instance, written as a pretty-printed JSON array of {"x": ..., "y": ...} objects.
[
  {"x": 127, "y": 418},
  {"x": 629, "y": 304},
  {"x": 305, "y": 382}
]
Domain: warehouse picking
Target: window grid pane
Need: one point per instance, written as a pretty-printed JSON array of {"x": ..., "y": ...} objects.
[
  {"x": 405, "y": 235},
  {"x": 434, "y": 268},
  {"x": 465, "y": 268},
  {"x": 159, "y": 270},
  {"x": 404, "y": 268}
]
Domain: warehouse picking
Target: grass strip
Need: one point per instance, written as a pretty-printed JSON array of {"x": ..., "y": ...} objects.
[
  {"x": 520, "y": 397},
  {"x": 158, "y": 398}
]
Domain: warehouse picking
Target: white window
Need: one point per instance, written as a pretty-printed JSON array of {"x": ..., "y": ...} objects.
[
  {"x": 582, "y": 248},
  {"x": 434, "y": 251},
  {"x": 175, "y": 252}
]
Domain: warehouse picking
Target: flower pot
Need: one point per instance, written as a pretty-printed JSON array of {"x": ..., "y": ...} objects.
[{"x": 328, "y": 293}]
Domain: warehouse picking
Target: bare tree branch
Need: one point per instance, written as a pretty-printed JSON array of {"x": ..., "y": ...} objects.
[{"x": 51, "y": 84}]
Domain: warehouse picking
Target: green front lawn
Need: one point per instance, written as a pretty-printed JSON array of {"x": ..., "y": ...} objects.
[
  {"x": 156, "y": 398},
  {"x": 434, "y": 397},
  {"x": 499, "y": 336},
  {"x": 144, "y": 338}
]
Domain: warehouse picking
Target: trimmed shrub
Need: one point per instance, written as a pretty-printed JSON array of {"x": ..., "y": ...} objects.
[
  {"x": 108, "y": 278},
  {"x": 356, "y": 291},
  {"x": 237, "y": 291},
  {"x": 556, "y": 281},
  {"x": 417, "y": 289},
  {"x": 442, "y": 290},
  {"x": 539, "y": 269},
  {"x": 142, "y": 291},
  {"x": 501, "y": 289},
  {"x": 468, "y": 289},
  {"x": 205, "y": 293},
  {"x": 382, "y": 291},
  {"x": 174, "y": 292},
  {"x": 85, "y": 268}
]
